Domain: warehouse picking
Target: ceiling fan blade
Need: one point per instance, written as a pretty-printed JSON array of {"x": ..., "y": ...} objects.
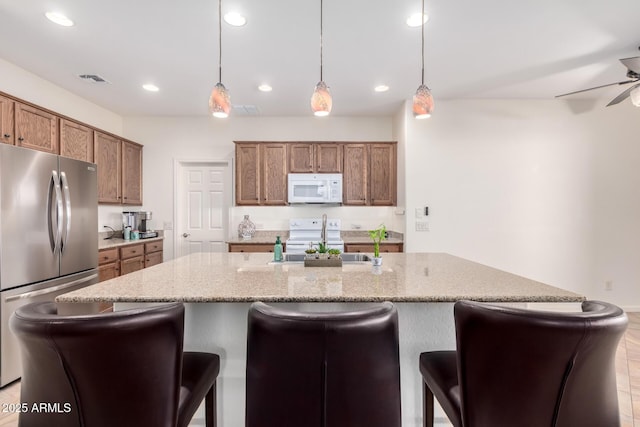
[
  {"x": 622, "y": 96},
  {"x": 597, "y": 87},
  {"x": 632, "y": 63}
]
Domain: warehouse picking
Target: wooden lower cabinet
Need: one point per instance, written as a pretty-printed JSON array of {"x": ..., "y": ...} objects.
[
  {"x": 253, "y": 247},
  {"x": 153, "y": 254},
  {"x": 368, "y": 248},
  {"x": 117, "y": 261},
  {"x": 108, "y": 264}
]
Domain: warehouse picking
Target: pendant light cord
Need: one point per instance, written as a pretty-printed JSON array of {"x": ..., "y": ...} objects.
[
  {"x": 321, "y": 40},
  {"x": 422, "y": 28},
  {"x": 220, "y": 40}
]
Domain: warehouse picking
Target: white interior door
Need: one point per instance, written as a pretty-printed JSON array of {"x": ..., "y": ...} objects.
[{"x": 204, "y": 199}]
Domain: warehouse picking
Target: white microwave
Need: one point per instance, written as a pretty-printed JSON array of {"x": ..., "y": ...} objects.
[{"x": 315, "y": 188}]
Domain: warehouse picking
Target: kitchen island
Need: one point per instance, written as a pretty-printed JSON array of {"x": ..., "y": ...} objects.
[{"x": 219, "y": 287}]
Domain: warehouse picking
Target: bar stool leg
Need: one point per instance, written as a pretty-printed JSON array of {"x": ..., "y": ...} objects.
[{"x": 427, "y": 406}]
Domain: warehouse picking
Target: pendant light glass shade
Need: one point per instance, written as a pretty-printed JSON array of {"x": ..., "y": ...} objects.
[
  {"x": 422, "y": 100},
  {"x": 220, "y": 102},
  {"x": 635, "y": 96},
  {"x": 422, "y": 103},
  {"x": 321, "y": 100}
]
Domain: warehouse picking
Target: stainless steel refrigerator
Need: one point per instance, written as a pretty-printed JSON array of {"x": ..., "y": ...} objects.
[{"x": 48, "y": 235}]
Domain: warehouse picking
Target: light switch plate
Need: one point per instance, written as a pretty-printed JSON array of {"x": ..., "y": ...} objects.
[{"x": 419, "y": 212}]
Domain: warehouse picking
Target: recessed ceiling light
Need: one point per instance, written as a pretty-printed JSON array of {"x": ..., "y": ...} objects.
[
  {"x": 59, "y": 19},
  {"x": 150, "y": 87},
  {"x": 235, "y": 19},
  {"x": 381, "y": 88},
  {"x": 414, "y": 20},
  {"x": 265, "y": 88}
]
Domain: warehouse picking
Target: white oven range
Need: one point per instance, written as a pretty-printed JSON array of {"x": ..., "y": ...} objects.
[{"x": 307, "y": 232}]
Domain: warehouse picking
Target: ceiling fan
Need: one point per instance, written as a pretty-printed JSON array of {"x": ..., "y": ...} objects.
[{"x": 633, "y": 73}]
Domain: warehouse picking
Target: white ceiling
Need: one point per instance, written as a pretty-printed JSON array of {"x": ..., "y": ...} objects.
[{"x": 474, "y": 49}]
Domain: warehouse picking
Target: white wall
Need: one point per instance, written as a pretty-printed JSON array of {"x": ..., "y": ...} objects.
[
  {"x": 22, "y": 84},
  {"x": 186, "y": 138},
  {"x": 544, "y": 189}
]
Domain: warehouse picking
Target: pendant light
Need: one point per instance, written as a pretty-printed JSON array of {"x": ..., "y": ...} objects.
[
  {"x": 220, "y": 102},
  {"x": 321, "y": 98},
  {"x": 422, "y": 100}
]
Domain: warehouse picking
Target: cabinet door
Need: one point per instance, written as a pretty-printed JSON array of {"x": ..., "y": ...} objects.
[
  {"x": 368, "y": 248},
  {"x": 328, "y": 158},
  {"x": 107, "y": 152},
  {"x": 76, "y": 141},
  {"x": 36, "y": 129},
  {"x": 132, "y": 264},
  {"x": 152, "y": 259},
  {"x": 274, "y": 174},
  {"x": 355, "y": 175},
  {"x": 247, "y": 174},
  {"x": 301, "y": 158},
  {"x": 108, "y": 271},
  {"x": 382, "y": 163},
  {"x": 6, "y": 120},
  {"x": 131, "y": 173}
]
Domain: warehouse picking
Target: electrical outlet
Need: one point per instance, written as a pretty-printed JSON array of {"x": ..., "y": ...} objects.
[
  {"x": 422, "y": 225},
  {"x": 608, "y": 285},
  {"x": 419, "y": 213}
]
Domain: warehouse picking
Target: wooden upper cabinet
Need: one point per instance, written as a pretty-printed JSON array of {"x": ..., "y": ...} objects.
[
  {"x": 76, "y": 141},
  {"x": 315, "y": 158},
  {"x": 247, "y": 174},
  {"x": 6, "y": 120},
  {"x": 301, "y": 158},
  {"x": 274, "y": 173},
  {"x": 328, "y": 158},
  {"x": 355, "y": 176},
  {"x": 108, "y": 155},
  {"x": 382, "y": 176},
  {"x": 131, "y": 173},
  {"x": 36, "y": 128}
]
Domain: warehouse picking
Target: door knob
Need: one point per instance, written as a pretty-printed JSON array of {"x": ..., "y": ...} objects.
[{"x": 186, "y": 235}]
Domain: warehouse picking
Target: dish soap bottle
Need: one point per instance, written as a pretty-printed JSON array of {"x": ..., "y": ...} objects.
[{"x": 277, "y": 250}]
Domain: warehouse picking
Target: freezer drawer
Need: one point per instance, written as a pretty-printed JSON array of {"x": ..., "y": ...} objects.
[{"x": 10, "y": 300}]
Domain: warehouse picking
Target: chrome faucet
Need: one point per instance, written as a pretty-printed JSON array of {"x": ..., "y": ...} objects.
[{"x": 323, "y": 233}]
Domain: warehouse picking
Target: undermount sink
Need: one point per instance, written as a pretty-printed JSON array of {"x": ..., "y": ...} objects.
[{"x": 346, "y": 258}]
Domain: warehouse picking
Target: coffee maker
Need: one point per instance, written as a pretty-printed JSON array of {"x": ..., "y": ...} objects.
[{"x": 138, "y": 220}]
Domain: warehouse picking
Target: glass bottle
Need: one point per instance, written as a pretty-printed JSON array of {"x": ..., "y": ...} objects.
[
  {"x": 246, "y": 229},
  {"x": 277, "y": 250}
]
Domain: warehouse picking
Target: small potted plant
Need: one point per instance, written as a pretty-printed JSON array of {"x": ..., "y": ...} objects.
[
  {"x": 311, "y": 253},
  {"x": 323, "y": 250},
  {"x": 334, "y": 253},
  {"x": 377, "y": 235}
]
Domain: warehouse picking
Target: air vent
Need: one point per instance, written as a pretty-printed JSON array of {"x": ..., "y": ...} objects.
[
  {"x": 245, "y": 110},
  {"x": 93, "y": 78}
]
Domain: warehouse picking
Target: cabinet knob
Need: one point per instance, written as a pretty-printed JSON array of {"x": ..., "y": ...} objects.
[
  {"x": 20, "y": 139},
  {"x": 185, "y": 235},
  {"x": 6, "y": 135}
]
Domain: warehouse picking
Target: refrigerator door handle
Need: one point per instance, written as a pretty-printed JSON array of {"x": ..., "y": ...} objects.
[
  {"x": 52, "y": 289},
  {"x": 55, "y": 214},
  {"x": 67, "y": 206}
]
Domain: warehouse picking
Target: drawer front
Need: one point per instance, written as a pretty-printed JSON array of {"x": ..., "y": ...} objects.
[
  {"x": 107, "y": 256},
  {"x": 254, "y": 247},
  {"x": 131, "y": 251},
  {"x": 153, "y": 247},
  {"x": 152, "y": 259},
  {"x": 368, "y": 248}
]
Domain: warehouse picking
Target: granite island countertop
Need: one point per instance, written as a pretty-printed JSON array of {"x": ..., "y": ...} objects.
[{"x": 247, "y": 277}]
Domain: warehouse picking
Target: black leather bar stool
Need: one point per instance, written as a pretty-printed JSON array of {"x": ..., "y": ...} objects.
[
  {"x": 338, "y": 369},
  {"x": 125, "y": 368},
  {"x": 525, "y": 368}
]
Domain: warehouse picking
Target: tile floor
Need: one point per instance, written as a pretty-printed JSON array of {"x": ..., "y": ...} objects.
[{"x": 627, "y": 364}]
